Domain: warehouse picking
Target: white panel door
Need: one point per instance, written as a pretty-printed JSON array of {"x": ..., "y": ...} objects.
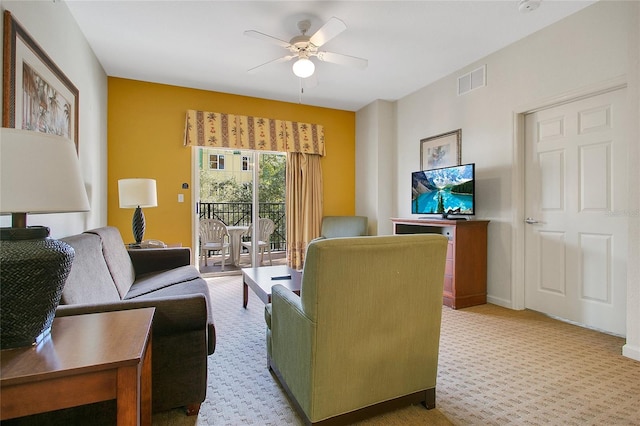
[{"x": 576, "y": 232}]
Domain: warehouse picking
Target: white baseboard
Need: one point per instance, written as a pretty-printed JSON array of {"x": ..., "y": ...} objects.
[
  {"x": 632, "y": 352},
  {"x": 505, "y": 303}
]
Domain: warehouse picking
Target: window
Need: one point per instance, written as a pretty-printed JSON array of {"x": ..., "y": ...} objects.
[
  {"x": 216, "y": 162},
  {"x": 245, "y": 163}
]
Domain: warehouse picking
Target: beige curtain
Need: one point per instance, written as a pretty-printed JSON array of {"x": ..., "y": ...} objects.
[{"x": 303, "y": 204}]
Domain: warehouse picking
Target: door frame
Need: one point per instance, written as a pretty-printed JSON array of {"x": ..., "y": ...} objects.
[
  {"x": 195, "y": 198},
  {"x": 518, "y": 174},
  {"x": 193, "y": 210}
]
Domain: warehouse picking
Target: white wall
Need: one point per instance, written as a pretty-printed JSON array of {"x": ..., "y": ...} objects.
[
  {"x": 595, "y": 46},
  {"x": 375, "y": 183},
  {"x": 53, "y": 27}
]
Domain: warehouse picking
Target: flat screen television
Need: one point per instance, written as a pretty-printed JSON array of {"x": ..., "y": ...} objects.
[{"x": 448, "y": 191}]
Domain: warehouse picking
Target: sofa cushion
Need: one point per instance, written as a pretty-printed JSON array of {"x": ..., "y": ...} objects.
[
  {"x": 88, "y": 262},
  {"x": 194, "y": 286},
  {"x": 189, "y": 287},
  {"x": 117, "y": 258},
  {"x": 154, "y": 281}
]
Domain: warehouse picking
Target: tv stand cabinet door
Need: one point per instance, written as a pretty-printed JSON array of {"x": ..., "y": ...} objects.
[{"x": 469, "y": 265}]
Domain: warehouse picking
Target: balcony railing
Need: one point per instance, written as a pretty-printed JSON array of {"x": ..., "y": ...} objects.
[{"x": 239, "y": 214}]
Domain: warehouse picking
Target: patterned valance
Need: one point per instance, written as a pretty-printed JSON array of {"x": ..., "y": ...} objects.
[{"x": 232, "y": 131}]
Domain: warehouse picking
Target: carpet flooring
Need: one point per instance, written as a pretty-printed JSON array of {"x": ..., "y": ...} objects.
[{"x": 497, "y": 367}]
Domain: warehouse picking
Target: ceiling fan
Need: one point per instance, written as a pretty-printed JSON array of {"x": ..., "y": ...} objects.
[{"x": 304, "y": 47}]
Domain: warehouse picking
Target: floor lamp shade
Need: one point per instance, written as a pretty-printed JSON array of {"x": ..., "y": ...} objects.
[
  {"x": 137, "y": 193},
  {"x": 39, "y": 173}
]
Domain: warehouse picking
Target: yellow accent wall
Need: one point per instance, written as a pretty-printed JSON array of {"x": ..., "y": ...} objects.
[{"x": 145, "y": 131}]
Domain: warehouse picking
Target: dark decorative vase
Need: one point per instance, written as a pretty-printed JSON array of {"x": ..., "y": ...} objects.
[
  {"x": 138, "y": 225},
  {"x": 33, "y": 270}
]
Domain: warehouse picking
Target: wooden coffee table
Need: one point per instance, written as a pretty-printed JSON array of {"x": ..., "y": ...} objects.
[{"x": 260, "y": 280}]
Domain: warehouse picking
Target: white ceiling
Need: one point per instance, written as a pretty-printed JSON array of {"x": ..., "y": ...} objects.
[{"x": 200, "y": 44}]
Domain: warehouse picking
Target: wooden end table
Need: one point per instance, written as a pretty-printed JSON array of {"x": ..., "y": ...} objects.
[
  {"x": 86, "y": 359},
  {"x": 260, "y": 280}
]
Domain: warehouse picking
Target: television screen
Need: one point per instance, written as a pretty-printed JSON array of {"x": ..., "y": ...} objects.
[{"x": 446, "y": 191}]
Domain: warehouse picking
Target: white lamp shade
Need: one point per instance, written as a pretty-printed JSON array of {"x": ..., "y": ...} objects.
[
  {"x": 303, "y": 68},
  {"x": 39, "y": 173},
  {"x": 137, "y": 192}
]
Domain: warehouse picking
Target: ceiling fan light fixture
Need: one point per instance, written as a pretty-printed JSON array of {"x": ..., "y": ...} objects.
[{"x": 303, "y": 68}]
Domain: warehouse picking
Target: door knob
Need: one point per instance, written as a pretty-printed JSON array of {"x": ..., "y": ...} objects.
[{"x": 531, "y": 221}]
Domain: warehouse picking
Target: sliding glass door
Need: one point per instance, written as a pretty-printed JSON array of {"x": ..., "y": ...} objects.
[{"x": 238, "y": 188}]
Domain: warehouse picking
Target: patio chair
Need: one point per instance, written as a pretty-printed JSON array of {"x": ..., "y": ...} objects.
[
  {"x": 213, "y": 237},
  {"x": 265, "y": 229}
]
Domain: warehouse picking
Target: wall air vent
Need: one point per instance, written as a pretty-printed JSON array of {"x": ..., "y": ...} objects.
[{"x": 472, "y": 80}]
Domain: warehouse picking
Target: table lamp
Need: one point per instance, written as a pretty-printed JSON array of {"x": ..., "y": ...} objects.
[
  {"x": 137, "y": 193},
  {"x": 39, "y": 173}
]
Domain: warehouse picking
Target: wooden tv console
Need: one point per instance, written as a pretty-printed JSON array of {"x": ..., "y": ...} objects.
[{"x": 465, "y": 276}]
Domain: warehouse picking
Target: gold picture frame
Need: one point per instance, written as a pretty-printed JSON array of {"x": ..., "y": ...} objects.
[
  {"x": 441, "y": 151},
  {"x": 36, "y": 94}
]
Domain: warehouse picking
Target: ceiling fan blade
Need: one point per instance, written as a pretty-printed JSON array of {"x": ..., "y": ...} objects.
[
  {"x": 329, "y": 30},
  {"x": 274, "y": 61},
  {"x": 337, "y": 58},
  {"x": 266, "y": 37}
]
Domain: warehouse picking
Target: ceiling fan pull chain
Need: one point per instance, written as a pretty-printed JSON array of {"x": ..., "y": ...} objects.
[{"x": 301, "y": 91}]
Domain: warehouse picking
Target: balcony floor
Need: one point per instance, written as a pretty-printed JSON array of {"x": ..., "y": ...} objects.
[{"x": 214, "y": 268}]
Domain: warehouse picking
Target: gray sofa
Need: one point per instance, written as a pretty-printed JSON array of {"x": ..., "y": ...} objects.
[{"x": 105, "y": 276}]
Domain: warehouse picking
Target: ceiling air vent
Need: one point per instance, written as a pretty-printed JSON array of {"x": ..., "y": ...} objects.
[{"x": 472, "y": 80}]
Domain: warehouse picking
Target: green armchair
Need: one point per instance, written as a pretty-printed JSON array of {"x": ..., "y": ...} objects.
[
  {"x": 363, "y": 335},
  {"x": 343, "y": 226}
]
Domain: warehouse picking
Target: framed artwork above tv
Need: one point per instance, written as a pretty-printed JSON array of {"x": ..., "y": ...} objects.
[{"x": 441, "y": 151}]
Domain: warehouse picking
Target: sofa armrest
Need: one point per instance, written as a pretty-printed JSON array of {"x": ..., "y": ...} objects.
[
  {"x": 174, "y": 315},
  {"x": 159, "y": 259}
]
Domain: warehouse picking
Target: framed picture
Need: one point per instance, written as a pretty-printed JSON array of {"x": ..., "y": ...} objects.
[
  {"x": 441, "y": 151},
  {"x": 36, "y": 95}
]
